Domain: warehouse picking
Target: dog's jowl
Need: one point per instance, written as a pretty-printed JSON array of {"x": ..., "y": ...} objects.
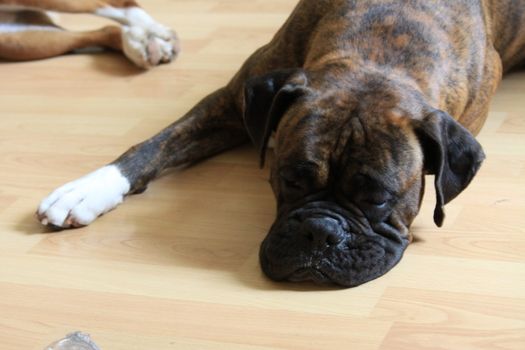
[{"x": 364, "y": 99}]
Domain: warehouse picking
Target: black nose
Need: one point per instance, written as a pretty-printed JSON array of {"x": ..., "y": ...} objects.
[{"x": 323, "y": 232}]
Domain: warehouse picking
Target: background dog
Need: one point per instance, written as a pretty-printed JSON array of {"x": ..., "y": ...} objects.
[{"x": 28, "y": 32}]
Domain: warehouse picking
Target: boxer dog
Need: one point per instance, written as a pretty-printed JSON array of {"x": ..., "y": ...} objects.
[
  {"x": 28, "y": 32},
  {"x": 364, "y": 98}
]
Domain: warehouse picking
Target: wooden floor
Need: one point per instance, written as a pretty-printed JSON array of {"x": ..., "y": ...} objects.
[{"x": 177, "y": 268}]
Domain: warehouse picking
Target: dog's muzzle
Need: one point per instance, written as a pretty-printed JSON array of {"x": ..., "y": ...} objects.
[{"x": 323, "y": 243}]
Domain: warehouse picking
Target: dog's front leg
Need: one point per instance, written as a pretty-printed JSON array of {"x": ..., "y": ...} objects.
[{"x": 212, "y": 126}]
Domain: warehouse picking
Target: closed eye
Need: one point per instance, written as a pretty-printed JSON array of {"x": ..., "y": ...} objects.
[
  {"x": 377, "y": 204},
  {"x": 298, "y": 177},
  {"x": 292, "y": 184}
]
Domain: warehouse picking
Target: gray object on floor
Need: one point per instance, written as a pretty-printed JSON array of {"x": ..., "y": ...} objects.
[{"x": 74, "y": 341}]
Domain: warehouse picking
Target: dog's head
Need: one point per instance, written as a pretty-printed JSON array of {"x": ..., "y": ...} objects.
[{"x": 349, "y": 171}]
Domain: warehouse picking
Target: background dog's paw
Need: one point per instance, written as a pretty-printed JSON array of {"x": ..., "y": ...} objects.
[
  {"x": 80, "y": 202},
  {"x": 149, "y": 47}
]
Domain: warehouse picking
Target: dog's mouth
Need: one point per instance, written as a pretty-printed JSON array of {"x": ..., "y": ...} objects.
[
  {"x": 306, "y": 272},
  {"x": 310, "y": 274},
  {"x": 329, "y": 246}
]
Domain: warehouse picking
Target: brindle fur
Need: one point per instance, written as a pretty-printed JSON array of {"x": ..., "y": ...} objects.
[{"x": 367, "y": 84}]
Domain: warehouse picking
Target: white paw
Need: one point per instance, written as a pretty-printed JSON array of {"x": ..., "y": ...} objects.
[
  {"x": 148, "y": 47},
  {"x": 145, "y": 42},
  {"x": 80, "y": 202}
]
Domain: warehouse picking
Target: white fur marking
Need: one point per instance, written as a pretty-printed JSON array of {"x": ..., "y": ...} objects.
[
  {"x": 131, "y": 16},
  {"x": 54, "y": 16},
  {"x": 145, "y": 42},
  {"x": 80, "y": 202},
  {"x": 19, "y": 27}
]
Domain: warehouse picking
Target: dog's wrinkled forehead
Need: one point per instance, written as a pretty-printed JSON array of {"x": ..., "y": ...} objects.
[
  {"x": 386, "y": 149},
  {"x": 388, "y": 140},
  {"x": 306, "y": 138},
  {"x": 377, "y": 143}
]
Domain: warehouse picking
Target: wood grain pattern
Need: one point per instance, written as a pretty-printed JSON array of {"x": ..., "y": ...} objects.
[{"x": 177, "y": 267}]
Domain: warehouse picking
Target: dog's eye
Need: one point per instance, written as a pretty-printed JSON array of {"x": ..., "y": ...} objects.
[
  {"x": 369, "y": 192},
  {"x": 378, "y": 200},
  {"x": 292, "y": 184},
  {"x": 376, "y": 203},
  {"x": 291, "y": 179}
]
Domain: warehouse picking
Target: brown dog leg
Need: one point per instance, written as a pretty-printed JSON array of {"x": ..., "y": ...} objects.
[
  {"x": 39, "y": 44},
  {"x": 75, "y": 6},
  {"x": 143, "y": 40},
  {"x": 212, "y": 126}
]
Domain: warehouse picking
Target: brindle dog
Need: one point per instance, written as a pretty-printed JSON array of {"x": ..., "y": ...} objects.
[{"x": 365, "y": 99}]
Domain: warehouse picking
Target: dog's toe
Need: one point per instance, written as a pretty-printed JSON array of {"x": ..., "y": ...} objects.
[
  {"x": 149, "y": 47},
  {"x": 80, "y": 202}
]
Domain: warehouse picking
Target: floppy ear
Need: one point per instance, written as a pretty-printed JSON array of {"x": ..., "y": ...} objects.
[
  {"x": 451, "y": 154},
  {"x": 266, "y": 100}
]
